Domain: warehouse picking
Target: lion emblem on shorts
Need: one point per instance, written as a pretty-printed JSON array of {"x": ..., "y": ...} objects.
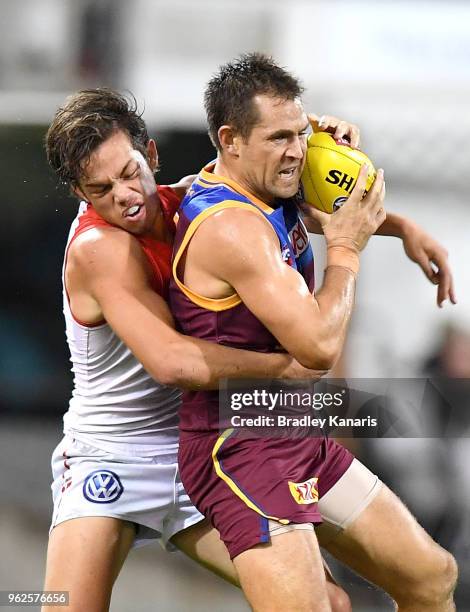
[{"x": 304, "y": 492}]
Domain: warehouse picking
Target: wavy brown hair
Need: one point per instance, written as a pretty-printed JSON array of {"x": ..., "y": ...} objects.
[{"x": 85, "y": 121}]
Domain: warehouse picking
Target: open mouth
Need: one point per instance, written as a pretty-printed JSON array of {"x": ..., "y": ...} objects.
[
  {"x": 133, "y": 211},
  {"x": 288, "y": 173}
]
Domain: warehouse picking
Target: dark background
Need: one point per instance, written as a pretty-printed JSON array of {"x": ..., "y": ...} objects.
[{"x": 37, "y": 213}]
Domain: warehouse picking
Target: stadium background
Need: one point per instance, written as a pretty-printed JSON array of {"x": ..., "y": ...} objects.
[{"x": 400, "y": 70}]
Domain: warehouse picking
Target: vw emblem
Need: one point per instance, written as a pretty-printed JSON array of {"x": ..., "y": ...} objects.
[{"x": 102, "y": 487}]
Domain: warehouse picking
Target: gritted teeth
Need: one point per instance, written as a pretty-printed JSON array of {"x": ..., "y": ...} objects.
[
  {"x": 288, "y": 171},
  {"x": 133, "y": 210}
]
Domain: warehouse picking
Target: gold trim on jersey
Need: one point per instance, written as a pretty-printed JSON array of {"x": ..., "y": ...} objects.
[
  {"x": 233, "y": 486},
  {"x": 213, "y": 304},
  {"x": 210, "y": 177}
]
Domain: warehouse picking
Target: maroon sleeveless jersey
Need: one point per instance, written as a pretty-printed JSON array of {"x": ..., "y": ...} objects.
[
  {"x": 228, "y": 321},
  {"x": 237, "y": 480}
]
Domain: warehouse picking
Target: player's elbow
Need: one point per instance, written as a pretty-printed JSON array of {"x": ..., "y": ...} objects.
[
  {"x": 176, "y": 371},
  {"x": 320, "y": 356},
  {"x": 184, "y": 379},
  {"x": 162, "y": 372},
  {"x": 319, "y": 362},
  {"x": 168, "y": 375},
  {"x": 164, "y": 368}
]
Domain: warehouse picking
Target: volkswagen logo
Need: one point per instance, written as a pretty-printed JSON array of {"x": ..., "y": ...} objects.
[{"x": 102, "y": 487}]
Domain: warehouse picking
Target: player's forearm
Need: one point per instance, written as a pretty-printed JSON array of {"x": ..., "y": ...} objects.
[
  {"x": 335, "y": 301},
  {"x": 174, "y": 359},
  {"x": 394, "y": 225},
  {"x": 196, "y": 364}
]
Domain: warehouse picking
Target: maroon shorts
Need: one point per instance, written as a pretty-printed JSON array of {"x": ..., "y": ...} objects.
[{"x": 239, "y": 483}]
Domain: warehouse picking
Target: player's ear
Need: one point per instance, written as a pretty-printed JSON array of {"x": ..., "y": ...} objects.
[
  {"x": 152, "y": 155},
  {"x": 75, "y": 189},
  {"x": 229, "y": 141}
]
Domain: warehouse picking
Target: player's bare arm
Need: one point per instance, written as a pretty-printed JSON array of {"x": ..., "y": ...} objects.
[
  {"x": 420, "y": 247},
  {"x": 311, "y": 328},
  {"x": 108, "y": 278}
]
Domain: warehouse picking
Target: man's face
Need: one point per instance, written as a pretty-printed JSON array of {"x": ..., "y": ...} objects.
[
  {"x": 119, "y": 183},
  {"x": 271, "y": 160}
]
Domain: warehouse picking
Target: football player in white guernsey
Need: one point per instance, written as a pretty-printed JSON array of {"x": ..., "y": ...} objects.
[{"x": 116, "y": 482}]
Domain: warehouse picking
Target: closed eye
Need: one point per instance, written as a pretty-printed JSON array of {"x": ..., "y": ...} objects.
[
  {"x": 101, "y": 191},
  {"x": 287, "y": 134},
  {"x": 134, "y": 174},
  {"x": 281, "y": 135}
]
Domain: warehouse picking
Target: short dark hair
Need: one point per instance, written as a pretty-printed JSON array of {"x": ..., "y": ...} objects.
[
  {"x": 87, "y": 119},
  {"x": 228, "y": 98}
]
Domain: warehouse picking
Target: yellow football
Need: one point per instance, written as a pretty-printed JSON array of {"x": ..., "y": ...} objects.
[{"x": 331, "y": 170}]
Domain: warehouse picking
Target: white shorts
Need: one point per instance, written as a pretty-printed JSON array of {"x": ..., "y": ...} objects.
[{"x": 148, "y": 492}]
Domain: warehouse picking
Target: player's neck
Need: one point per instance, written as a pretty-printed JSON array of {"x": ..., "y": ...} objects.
[
  {"x": 221, "y": 169},
  {"x": 159, "y": 229},
  {"x": 230, "y": 172},
  {"x": 226, "y": 171}
]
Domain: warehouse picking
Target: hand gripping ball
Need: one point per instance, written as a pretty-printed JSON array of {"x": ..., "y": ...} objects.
[{"x": 331, "y": 170}]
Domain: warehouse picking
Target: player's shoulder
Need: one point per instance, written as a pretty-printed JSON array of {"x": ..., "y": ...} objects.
[
  {"x": 181, "y": 187},
  {"x": 234, "y": 225},
  {"x": 102, "y": 237},
  {"x": 99, "y": 246}
]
